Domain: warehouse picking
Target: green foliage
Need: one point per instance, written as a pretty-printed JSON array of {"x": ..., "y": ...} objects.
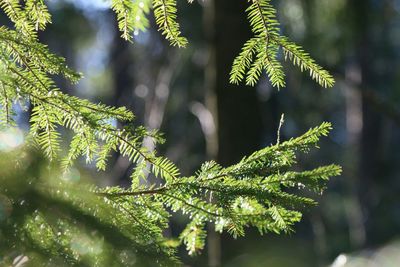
[
  {"x": 55, "y": 217},
  {"x": 261, "y": 52},
  {"x": 194, "y": 236},
  {"x": 37, "y": 11},
  {"x": 131, "y": 16},
  {"x": 258, "y": 54},
  {"x": 44, "y": 216},
  {"x": 165, "y": 13},
  {"x": 18, "y": 16}
]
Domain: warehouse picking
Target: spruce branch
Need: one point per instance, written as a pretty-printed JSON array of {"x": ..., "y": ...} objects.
[
  {"x": 165, "y": 14},
  {"x": 302, "y": 59},
  {"x": 261, "y": 52},
  {"x": 250, "y": 193},
  {"x": 131, "y": 16}
]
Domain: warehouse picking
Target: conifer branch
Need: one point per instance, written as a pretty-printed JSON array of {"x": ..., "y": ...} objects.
[
  {"x": 302, "y": 59},
  {"x": 165, "y": 14},
  {"x": 131, "y": 16},
  {"x": 250, "y": 193},
  {"x": 260, "y": 53},
  {"x": 38, "y": 13}
]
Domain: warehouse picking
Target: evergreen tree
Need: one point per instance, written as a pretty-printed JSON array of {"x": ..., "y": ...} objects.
[{"x": 48, "y": 219}]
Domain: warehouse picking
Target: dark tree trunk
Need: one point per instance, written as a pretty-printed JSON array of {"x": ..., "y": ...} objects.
[
  {"x": 235, "y": 108},
  {"x": 239, "y": 120},
  {"x": 369, "y": 51}
]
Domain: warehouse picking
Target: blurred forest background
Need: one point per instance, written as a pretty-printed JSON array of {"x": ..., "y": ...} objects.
[{"x": 185, "y": 93}]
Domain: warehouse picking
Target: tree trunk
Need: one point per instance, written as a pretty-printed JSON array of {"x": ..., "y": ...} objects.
[
  {"x": 235, "y": 108},
  {"x": 239, "y": 120}
]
